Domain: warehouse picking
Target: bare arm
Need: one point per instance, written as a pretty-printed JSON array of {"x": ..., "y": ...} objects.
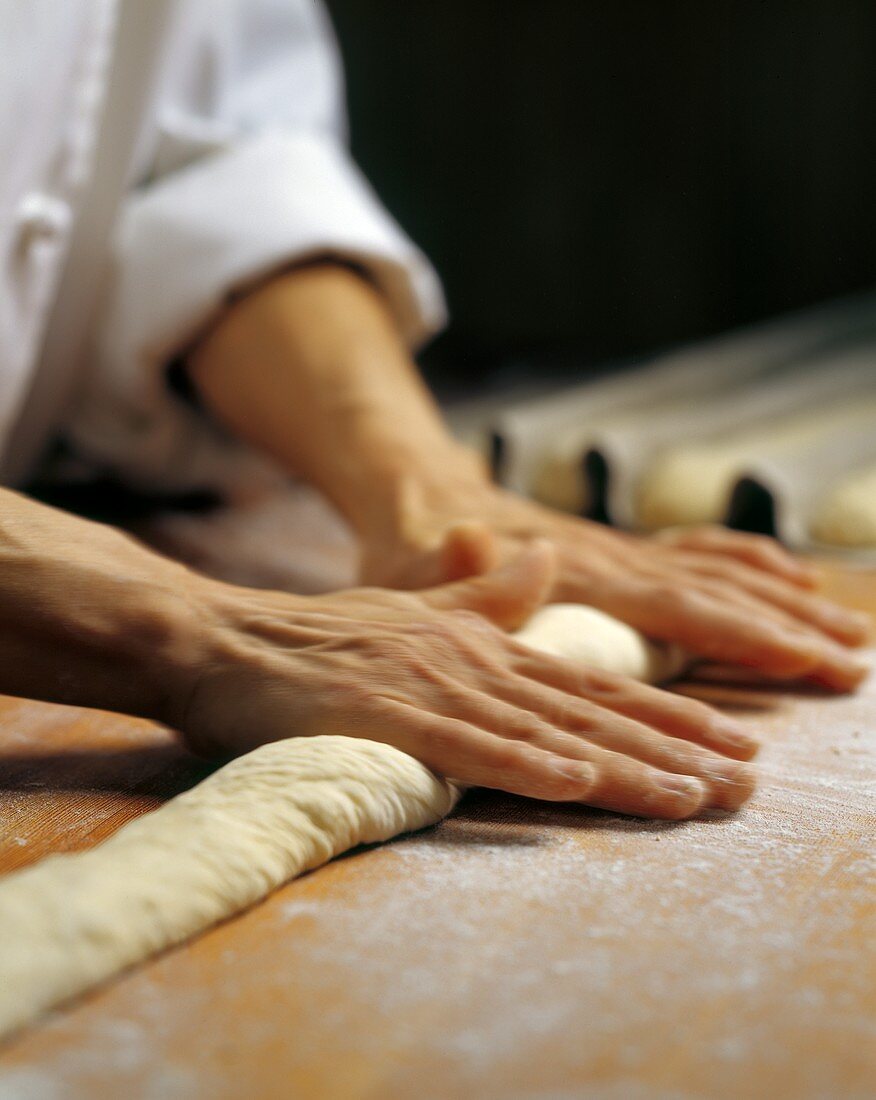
[
  {"x": 90, "y": 618},
  {"x": 310, "y": 368}
]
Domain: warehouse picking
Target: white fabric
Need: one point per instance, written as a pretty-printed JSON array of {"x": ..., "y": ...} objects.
[
  {"x": 783, "y": 411},
  {"x": 238, "y": 167}
]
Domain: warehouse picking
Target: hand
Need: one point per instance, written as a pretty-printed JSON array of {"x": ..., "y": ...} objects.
[
  {"x": 722, "y": 595},
  {"x": 428, "y": 673},
  {"x": 332, "y": 367}
]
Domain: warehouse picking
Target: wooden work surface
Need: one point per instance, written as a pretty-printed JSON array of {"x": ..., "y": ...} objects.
[{"x": 518, "y": 949}]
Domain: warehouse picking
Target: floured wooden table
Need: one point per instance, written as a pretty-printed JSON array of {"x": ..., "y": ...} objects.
[{"x": 518, "y": 949}]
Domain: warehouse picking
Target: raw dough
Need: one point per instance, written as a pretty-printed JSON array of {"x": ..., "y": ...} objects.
[
  {"x": 590, "y": 636},
  {"x": 847, "y": 514},
  {"x": 693, "y": 482},
  {"x": 72, "y": 921}
]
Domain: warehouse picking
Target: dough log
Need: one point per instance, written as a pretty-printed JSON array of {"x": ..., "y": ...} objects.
[
  {"x": 847, "y": 514},
  {"x": 72, "y": 921}
]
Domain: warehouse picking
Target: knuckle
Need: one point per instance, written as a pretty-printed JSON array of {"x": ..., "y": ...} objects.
[
  {"x": 694, "y": 711},
  {"x": 744, "y": 778},
  {"x": 709, "y": 723},
  {"x": 407, "y": 655},
  {"x": 489, "y": 711},
  {"x": 763, "y": 545},
  {"x": 353, "y": 696},
  {"x": 670, "y": 598},
  {"x": 673, "y": 758},
  {"x": 605, "y": 685},
  {"x": 446, "y": 742},
  {"x": 560, "y": 714},
  {"x": 525, "y": 730},
  {"x": 509, "y": 757}
]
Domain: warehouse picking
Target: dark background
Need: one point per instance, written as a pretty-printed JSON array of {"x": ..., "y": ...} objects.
[{"x": 597, "y": 180}]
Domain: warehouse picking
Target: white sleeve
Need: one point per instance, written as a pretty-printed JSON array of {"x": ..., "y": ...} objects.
[{"x": 243, "y": 170}]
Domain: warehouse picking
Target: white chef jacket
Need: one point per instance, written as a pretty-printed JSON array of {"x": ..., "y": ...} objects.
[{"x": 155, "y": 157}]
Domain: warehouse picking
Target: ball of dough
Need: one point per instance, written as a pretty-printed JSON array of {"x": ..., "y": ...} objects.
[{"x": 595, "y": 639}]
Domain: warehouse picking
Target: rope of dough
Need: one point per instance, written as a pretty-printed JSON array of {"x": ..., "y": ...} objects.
[{"x": 72, "y": 921}]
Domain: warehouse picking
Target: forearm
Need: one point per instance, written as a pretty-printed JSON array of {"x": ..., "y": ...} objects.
[
  {"x": 88, "y": 617},
  {"x": 310, "y": 368}
]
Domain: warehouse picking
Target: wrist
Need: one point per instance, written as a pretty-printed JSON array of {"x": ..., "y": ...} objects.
[
  {"x": 90, "y": 618},
  {"x": 111, "y": 643},
  {"x": 165, "y": 637},
  {"x": 407, "y": 490}
]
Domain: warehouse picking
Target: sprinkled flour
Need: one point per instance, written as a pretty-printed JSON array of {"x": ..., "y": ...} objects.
[{"x": 520, "y": 946}]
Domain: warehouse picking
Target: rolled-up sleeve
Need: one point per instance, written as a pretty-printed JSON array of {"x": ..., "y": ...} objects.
[
  {"x": 247, "y": 173},
  {"x": 211, "y": 228}
]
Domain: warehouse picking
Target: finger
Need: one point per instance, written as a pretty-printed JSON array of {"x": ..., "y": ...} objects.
[
  {"x": 603, "y": 779},
  {"x": 478, "y": 758},
  {"x": 558, "y": 722},
  {"x": 724, "y": 624},
  {"x": 758, "y": 551},
  {"x": 612, "y": 780},
  {"x": 470, "y": 548},
  {"x": 849, "y": 627},
  {"x": 627, "y": 786},
  {"x": 466, "y": 549},
  {"x": 676, "y": 715},
  {"x": 836, "y": 667},
  {"x": 708, "y": 627},
  {"x": 507, "y": 596}
]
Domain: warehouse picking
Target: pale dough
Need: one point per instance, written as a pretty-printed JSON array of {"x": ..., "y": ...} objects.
[
  {"x": 72, "y": 921},
  {"x": 846, "y": 516},
  {"x": 686, "y": 486},
  {"x": 587, "y": 635},
  {"x": 692, "y": 483}
]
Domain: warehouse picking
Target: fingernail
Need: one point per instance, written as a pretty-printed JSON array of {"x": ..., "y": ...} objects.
[
  {"x": 731, "y": 786},
  {"x": 843, "y": 657},
  {"x": 733, "y": 734},
  {"x": 841, "y": 671},
  {"x": 682, "y": 785},
  {"x": 843, "y": 617},
  {"x": 574, "y": 769},
  {"x": 730, "y": 773},
  {"x": 805, "y": 571}
]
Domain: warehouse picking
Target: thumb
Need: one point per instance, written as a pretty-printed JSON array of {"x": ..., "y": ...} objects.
[
  {"x": 469, "y": 548},
  {"x": 507, "y": 595}
]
